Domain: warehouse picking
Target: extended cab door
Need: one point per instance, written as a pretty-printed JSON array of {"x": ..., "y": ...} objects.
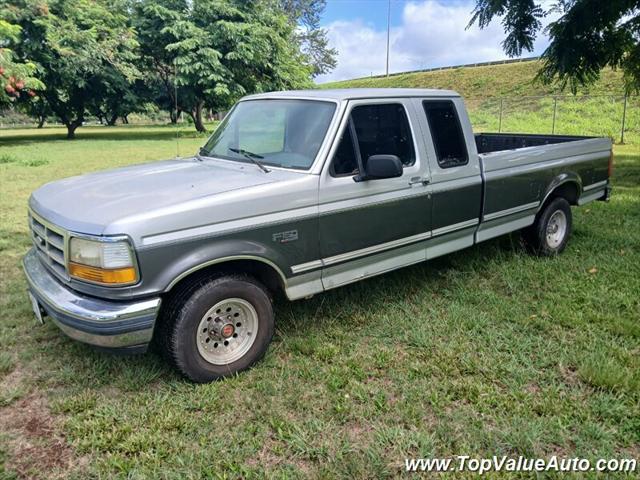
[
  {"x": 456, "y": 182},
  {"x": 372, "y": 226}
]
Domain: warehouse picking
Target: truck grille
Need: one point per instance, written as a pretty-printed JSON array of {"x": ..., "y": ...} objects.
[{"x": 50, "y": 243}]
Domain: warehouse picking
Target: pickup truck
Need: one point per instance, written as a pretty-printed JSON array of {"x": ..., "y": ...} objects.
[{"x": 296, "y": 193}]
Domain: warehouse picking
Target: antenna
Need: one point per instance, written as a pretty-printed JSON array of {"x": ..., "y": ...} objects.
[{"x": 175, "y": 100}]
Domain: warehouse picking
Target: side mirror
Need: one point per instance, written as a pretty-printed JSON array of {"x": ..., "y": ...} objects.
[{"x": 382, "y": 166}]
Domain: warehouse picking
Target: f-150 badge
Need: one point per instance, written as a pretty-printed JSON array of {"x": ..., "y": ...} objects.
[{"x": 285, "y": 237}]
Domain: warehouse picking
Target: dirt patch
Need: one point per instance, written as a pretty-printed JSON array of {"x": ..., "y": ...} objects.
[
  {"x": 270, "y": 458},
  {"x": 533, "y": 389},
  {"x": 569, "y": 375},
  {"x": 36, "y": 447}
]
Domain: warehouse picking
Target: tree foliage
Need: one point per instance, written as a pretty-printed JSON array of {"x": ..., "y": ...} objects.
[
  {"x": 213, "y": 52},
  {"x": 588, "y": 36},
  {"x": 108, "y": 58},
  {"x": 313, "y": 41},
  {"x": 80, "y": 47},
  {"x": 17, "y": 78}
]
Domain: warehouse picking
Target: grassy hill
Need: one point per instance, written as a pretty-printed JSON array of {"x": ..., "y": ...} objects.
[
  {"x": 513, "y": 79},
  {"x": 596, "y": 110}
]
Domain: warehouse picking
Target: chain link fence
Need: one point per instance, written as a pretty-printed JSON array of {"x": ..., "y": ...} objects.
[{"x": 614, "y": 116}]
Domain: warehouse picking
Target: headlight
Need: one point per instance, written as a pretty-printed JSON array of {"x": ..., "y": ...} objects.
[{"x": 109, "y": 263}]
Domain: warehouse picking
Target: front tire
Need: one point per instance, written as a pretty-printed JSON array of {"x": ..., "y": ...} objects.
[
  {"x": 549, "y": 235},
  {"x": 213, "y": 328}
]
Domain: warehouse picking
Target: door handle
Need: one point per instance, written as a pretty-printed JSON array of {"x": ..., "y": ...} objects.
[{"x": 418, "y": 180}]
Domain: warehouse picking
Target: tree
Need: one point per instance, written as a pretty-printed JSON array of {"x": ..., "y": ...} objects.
[
  {"x": 38, "y": 109},
  {"x": 151, "y": 20},
  {"x": 117, "y": 98},
  {"x": 17, "y": 79},
  {"x": 215, "y": 51},
  {"x": 312, "y": 39},
  {"x": 588, "y": 36},
  {"x": 80, "y": 46}
]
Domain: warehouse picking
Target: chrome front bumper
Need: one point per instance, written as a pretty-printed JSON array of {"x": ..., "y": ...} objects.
[{"x": 98, "y": 322}]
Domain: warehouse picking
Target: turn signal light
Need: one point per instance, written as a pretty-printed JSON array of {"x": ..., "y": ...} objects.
[{"x": 101, "y": 275}]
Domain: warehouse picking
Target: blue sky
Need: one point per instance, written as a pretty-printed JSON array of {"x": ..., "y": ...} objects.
[
  {"x": 373, "y": 12},
  {"x": 424, "y": 34}
]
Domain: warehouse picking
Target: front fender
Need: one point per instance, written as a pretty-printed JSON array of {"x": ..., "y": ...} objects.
[
  {"x": 279, "y": 245},
  {"x": 189, "y": 257}
]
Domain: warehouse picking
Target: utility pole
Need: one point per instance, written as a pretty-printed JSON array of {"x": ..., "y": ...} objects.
[{"x": 388, "y": 32}]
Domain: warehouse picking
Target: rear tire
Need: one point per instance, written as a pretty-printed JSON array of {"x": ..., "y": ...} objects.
[
  {"x": 549, "y": 234},
  {"x": 212, "y": 328}
]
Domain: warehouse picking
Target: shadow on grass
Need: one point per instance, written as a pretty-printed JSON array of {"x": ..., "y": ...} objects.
[
  {"x": 626, "y": 170},
  {"x": 396, "y": 287},
  {"x": 129, "y": 133}
]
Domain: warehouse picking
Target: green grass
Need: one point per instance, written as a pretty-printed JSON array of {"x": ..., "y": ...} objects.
[
  {"x": 487, "y": 351},
  {"x": 510, "y": 80}
]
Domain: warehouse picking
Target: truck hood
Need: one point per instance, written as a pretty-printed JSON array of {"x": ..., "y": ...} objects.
[{"x": 90, "y": 203}]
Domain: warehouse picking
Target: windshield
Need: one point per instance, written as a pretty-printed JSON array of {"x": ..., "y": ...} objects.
[{"x": 280, "y": 133}]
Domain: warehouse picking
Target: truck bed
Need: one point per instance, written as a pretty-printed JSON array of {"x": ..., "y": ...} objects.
[
  {"x": 520, "y": 170},
  {"x": 497, "y": 142}
]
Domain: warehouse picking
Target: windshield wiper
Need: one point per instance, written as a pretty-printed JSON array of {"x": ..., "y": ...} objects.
[{"x": 251, "y": 156}]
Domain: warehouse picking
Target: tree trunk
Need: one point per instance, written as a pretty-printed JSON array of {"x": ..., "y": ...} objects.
[
  {"x": 196, "y": 115},
  {"x": 41, "y": 120},
  {"x": 71, "y": 128},
  {"x": 125, "y": 119},
  {"x": 174, "y": 115},
  {"x": 111, "y": 121}
]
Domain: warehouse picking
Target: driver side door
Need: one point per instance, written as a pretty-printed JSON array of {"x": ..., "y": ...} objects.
[{"x": 373, "y": 226}]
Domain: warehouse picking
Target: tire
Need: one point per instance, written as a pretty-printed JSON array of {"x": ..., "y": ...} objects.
[
  {"x": 549, "y": 234},
  {"x": 212, "y": 328}
]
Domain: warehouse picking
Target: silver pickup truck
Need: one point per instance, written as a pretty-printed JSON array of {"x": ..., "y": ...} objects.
[{"x": 295, "y": 192}]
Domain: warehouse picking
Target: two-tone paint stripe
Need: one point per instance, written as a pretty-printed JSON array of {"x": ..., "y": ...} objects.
[
  {"x": 593, "y": 186},
  {"x": 510, "y": 211},
  {"x": 382, "y": 247}
]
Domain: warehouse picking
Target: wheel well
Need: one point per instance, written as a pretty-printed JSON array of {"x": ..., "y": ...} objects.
[
  {"x": 261, "y": 271},
  {"x": 568, "y": 191}
]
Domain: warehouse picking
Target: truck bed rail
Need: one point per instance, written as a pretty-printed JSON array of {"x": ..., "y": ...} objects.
[{"x": 496, "y": 142}]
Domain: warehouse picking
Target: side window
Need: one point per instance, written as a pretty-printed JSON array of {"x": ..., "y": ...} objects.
[
  {"x": 380, "y": 130},
  {"x": 448, "y": 140}
]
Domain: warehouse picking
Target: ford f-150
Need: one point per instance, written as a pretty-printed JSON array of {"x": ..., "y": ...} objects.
[{"x": 295, "y": 192}]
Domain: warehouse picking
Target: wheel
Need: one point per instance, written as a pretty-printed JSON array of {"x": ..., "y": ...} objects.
[
  {"x": 216, "y": 327},
  {"x": 549, "y": 234}
]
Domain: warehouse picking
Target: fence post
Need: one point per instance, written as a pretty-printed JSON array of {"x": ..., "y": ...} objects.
[
  {"x": 555, "y": 106},
  {"x": 624, "y": 116},
  {"x": 500, "y": 118}
]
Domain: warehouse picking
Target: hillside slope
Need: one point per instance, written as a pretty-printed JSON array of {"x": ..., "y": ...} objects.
[{"x": 513, "y": 79}]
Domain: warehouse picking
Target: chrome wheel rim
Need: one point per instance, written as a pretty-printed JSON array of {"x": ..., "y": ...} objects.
[
  {"x": 556, "y": 229},
  {"x": 227, "y": 331}
]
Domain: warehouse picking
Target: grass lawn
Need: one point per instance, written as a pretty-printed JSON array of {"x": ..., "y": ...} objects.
[{"x": 488, "y": 351}]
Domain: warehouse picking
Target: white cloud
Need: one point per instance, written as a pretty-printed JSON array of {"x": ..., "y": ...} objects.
[{"x": 431, "y": 34}]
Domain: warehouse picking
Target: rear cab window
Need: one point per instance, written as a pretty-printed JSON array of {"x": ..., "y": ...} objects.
[
  {"x": 446, "y": 133},
  {"x": 376, "y": 129}
]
